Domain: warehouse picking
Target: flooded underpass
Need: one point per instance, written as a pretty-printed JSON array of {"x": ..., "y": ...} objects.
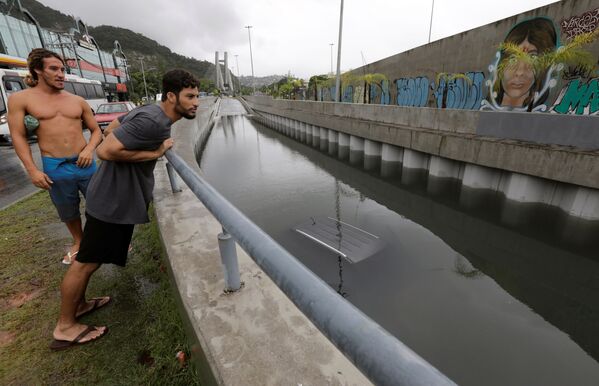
[{"x": 489, "y": 291}]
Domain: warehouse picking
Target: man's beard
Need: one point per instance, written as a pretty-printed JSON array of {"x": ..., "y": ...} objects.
[
  {"x": 53, "y": 84},
  {"x": 184, "y": 113}
]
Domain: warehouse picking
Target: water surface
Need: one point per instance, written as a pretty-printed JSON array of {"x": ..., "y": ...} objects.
[{"x": 488, "y": 291}]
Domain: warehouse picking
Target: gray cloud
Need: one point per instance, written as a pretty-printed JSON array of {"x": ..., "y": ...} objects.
[{"x": 291, "y": 35}]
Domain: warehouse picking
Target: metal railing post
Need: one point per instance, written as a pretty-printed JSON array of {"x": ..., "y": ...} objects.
[
  {"x": 173, "y": 178},
  {"x": 228, "y": 256}
]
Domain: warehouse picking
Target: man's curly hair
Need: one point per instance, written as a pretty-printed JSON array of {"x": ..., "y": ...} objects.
[{"x": 176, "y": 80}]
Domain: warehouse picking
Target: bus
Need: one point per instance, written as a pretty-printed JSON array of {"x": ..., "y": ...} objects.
[{"x": 12, "y": 80}]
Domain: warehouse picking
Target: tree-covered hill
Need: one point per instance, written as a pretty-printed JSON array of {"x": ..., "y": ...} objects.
[{"x": 133, "y": 44}]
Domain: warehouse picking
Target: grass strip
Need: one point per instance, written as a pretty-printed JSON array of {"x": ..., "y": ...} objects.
[{"x": 146, "y": 330}]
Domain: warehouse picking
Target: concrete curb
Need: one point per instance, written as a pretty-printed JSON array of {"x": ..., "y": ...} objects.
[{"x": 21, "y": 199}]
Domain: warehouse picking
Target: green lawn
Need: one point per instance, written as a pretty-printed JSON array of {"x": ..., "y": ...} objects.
[{"x": 146, "y": 330}]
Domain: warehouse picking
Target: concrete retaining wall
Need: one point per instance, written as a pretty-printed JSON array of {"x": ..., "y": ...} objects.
[
  {"x": 461, "y": 72},
  {"x": 446, "y": 147},
  {"x": 451, "y": 134}
]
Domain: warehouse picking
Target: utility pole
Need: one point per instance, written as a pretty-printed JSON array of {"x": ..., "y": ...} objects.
[
  {"x": 331, "y": 44},
  {"x": 338, "y": 81},
  {"x": 430, "y": 28},
  {"x": 251, "y": 58},
  {"x": 237, "y": 63},
  {"x": 143, "y": 75}
]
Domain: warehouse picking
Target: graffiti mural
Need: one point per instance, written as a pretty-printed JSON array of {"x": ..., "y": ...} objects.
[
  {"x": 325, "y": 93},
  {"x": 374, "y": 94},
  {"x": 460, "y": 92},
  {"x": 359, "y": 94},
  {"x": 379, "y": 94},
  {"x": 348, "y": 94},
  {"x": 385, "y": 96},
  {"x": 412, "y": 92},
  {"x": 572, "y": 27},
  {"x": 519, "y": 86},
  {"x": 538, "y": 65},
  {"x": 579, "y": 98},
  {"x": 576, "y": 25}
]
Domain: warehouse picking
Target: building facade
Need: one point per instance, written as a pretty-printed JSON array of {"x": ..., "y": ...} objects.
[{"x": 79, "y": 50}]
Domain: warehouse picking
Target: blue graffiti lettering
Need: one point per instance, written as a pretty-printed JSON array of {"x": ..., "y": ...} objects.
[
  {"x": 380, "y": 93},
  {"x": 412, "y": 92},
  {"x": 348, "y": 94},
  {"x": 460, "y": 93},
  {"x": 385, "y": 96},
  {"x": 374, "y": 93}
]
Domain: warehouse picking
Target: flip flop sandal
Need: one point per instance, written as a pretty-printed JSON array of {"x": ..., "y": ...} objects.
[
  {"x": 68, "y": 259},
  {"x": 58, "y": 345},
  {"x": 97, "y": 305}
]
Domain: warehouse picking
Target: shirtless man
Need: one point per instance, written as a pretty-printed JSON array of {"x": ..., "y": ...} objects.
[{"x": 67, "y": 158}]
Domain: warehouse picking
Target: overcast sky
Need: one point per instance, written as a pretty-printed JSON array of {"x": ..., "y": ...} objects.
[{"x": 291, "y": 35}]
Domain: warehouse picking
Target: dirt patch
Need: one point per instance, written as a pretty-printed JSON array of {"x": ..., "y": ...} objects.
[
  {"x": 6, "y": 338},
  {"x": 17, "y": 300}
]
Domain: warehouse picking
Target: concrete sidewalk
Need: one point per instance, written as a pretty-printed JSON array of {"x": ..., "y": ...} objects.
[{"x": 255, "y": 336}]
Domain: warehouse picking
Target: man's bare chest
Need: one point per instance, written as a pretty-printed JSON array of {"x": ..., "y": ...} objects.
[{"x": 50, "y": 108}]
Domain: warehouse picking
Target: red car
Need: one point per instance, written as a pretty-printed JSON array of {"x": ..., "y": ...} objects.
[{"x": 108, "y": 112}]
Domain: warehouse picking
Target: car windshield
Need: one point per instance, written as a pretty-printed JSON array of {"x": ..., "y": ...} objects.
[{"x": 109, "y": 109}]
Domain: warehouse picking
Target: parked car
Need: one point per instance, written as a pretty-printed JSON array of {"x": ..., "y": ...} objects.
[{"x": 108, "y": 112}]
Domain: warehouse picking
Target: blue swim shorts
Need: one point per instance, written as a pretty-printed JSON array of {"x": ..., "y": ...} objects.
[{"x": 69, "y": 179}]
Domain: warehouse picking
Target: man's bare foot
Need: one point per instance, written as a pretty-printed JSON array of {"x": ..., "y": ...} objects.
[
  {"x": 70, "y": 333},
  {"x": 92, "y": 305}
]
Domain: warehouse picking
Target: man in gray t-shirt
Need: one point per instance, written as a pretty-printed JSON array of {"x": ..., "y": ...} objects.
[
  {"x": 118, "y": 197},
  {"x": 126, "y": 202}
]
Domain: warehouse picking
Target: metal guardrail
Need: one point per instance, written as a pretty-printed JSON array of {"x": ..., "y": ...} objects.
[{"x": 379, "y": 355}]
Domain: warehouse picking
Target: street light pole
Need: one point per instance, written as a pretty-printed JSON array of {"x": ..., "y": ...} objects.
[
  {"x": 430, "y": 28},
  {"x": 251, "y": 58},
  {"x": 338, "y": 81},
  {"x": 331, "y": 44},
  {"x": 143, "y": 75}
]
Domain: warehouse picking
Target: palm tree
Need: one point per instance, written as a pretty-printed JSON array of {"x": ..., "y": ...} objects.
[
  {"x": 317, "y": 81},
  {"x": 369, "y": 79}
]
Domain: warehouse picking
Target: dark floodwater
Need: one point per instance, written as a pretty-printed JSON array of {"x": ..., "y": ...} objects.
[{"x": 489, "y": 292}]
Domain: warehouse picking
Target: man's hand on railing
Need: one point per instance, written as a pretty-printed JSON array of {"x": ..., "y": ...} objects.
[{"x": 167, "y": 144}]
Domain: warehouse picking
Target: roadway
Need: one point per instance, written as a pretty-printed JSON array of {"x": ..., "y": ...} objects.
[{"x": 14, "y": 180}]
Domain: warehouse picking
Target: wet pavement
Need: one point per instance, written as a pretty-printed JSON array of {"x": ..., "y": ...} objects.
[{"x": 14, "y": 180}]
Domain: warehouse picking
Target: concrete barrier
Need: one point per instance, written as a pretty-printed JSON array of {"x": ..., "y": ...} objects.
[{"x": 448, "y": 146}]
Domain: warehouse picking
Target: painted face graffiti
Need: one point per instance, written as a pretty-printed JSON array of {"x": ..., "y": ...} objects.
[
  {"x": 518, "y": 79},
  {"x": 519, "y": 87}
]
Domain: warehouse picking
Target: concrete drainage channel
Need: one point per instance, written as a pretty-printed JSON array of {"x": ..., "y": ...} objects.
[{"x": 255, "y": 336}]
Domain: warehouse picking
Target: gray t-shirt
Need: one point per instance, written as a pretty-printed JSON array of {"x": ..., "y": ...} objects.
[{"x": 120, "y": 192}]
